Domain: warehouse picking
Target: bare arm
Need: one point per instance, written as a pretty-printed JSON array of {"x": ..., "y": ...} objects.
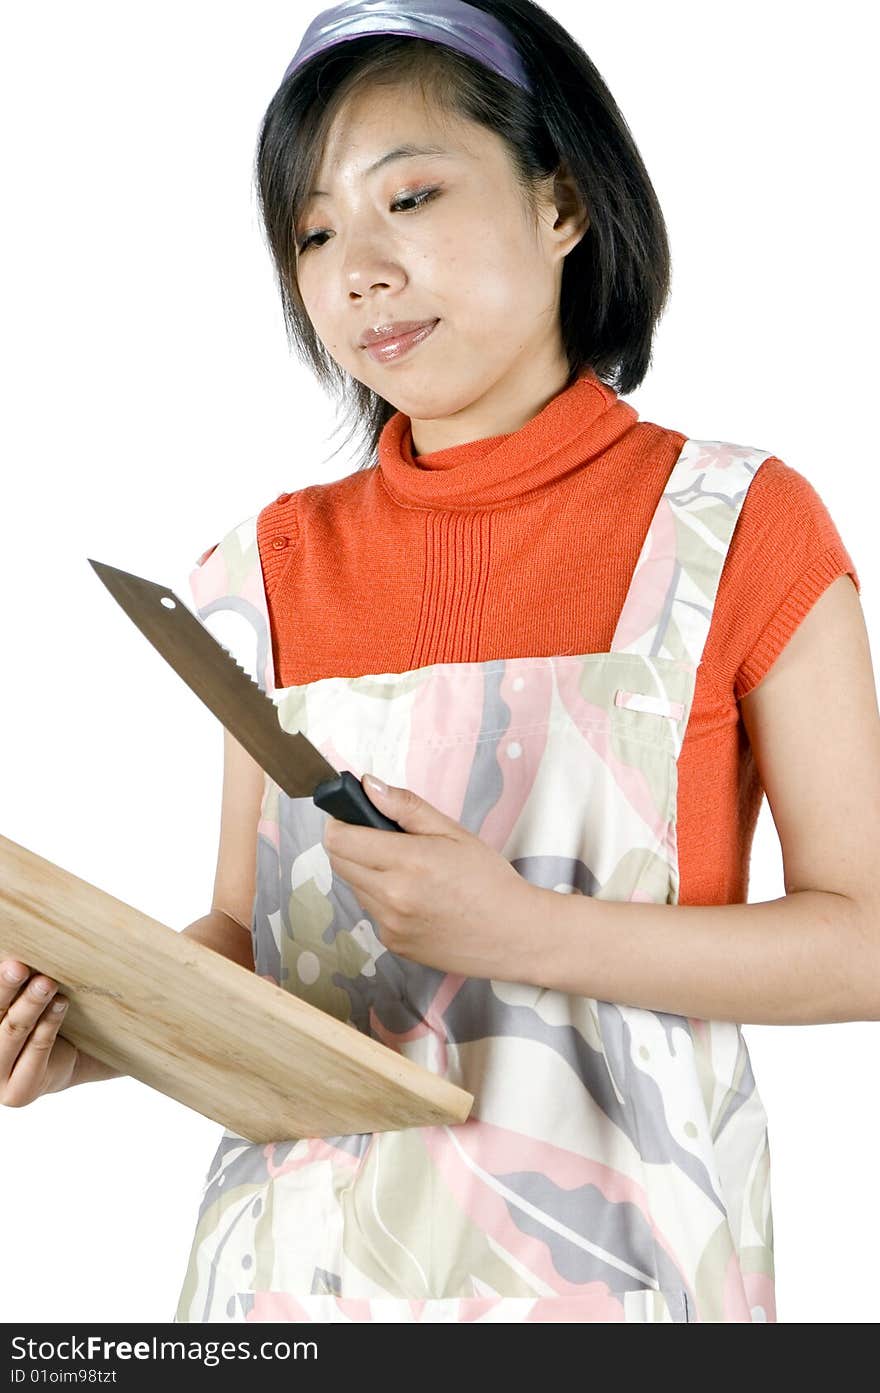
[
  {"x": 809, "y": 957},
  {"x": 216, "y": 930}
]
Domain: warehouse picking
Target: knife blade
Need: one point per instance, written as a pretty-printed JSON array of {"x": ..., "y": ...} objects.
[{"x": 210, "y": 670}]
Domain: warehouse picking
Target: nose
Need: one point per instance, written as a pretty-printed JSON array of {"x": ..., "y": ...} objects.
[
  {"x": 356, "y": 291},
  {"x": 368, "y": 272},
  {"x": 369, "y": 263}
]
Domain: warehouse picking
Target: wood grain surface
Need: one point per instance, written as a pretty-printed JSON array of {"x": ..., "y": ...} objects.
[{"x": 200, "y": 1028}]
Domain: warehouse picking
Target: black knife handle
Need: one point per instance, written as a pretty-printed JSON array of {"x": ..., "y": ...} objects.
[{"x": 345, "y": 798}]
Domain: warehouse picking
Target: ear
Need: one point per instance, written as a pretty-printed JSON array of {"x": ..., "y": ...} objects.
[{"x": 572, "y": 219}]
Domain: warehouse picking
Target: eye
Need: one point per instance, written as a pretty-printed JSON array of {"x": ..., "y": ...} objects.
[{"x": 418, "y": 199}]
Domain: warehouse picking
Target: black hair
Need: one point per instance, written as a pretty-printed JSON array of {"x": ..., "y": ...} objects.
[{"x": 615, "y": 280}]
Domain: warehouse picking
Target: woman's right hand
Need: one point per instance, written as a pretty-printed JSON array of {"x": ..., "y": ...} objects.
[{"x": 34, "y": 1059}]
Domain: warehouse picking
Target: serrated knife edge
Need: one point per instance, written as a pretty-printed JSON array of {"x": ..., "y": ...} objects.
[{"x": 217, "y": 679}]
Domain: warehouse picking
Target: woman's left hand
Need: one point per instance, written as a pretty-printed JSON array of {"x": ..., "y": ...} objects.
[{"x": 437, "y": 893}]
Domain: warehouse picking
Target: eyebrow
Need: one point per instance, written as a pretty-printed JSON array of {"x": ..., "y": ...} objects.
[{"x": 400, "y": 152}]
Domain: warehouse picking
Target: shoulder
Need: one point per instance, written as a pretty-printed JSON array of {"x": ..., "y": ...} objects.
[
  {"x": 283, "y": 519},
  {"x": 290, "y": 514},
  {"x": 295, "y": 508},
  {"x": 785, "y": 534},
  {"x": 781, "y": 505},
  {"x": 784, "y": 552},
  {"x": 308, "y": 518}
]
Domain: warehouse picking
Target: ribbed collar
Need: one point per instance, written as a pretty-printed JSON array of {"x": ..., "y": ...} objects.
[{"x": 575, "y": 426}]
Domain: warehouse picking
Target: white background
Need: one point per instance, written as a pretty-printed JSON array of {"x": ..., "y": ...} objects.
[{"x": 152, "y": 404}]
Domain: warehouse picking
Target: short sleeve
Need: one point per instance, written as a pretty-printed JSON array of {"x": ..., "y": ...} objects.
[
  {"x": 278, "y": 536},
  {"x": 785, "y": 551}
]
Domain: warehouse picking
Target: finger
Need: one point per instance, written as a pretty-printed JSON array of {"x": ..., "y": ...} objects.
[
  {"x": 13, "y": 975},
  {"x": 367, "y": 888},
  {"x": 19, "y": 1016},
  {"x": 370, "y": 846},
  {"x": 29, "y": 1072},
  {"x": 363, "y": 879}
]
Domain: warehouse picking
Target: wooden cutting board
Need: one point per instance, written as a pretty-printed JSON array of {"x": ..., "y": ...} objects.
[{"x": 200, "y": 1028}]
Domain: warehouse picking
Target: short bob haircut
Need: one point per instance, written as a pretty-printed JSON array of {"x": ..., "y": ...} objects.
[{"x": 615, "y": 281}]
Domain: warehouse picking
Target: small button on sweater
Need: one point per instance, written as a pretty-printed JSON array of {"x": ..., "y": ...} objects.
[{"x": 524, "y": 545}]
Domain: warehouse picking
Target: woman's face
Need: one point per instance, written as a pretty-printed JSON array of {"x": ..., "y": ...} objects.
[{"x": 442, "y": 236}]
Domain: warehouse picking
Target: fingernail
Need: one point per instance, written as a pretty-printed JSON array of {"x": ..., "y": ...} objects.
[
  {"x": 14, "y": 974},
  {"x": 372, "y": 782},
  {"x": 42, "y": 988}
]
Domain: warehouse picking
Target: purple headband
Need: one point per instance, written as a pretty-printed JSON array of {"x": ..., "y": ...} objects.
[{"x": 448, "y": 22}]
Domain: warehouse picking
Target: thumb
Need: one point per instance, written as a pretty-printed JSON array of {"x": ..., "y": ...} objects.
[{"x": 414, "y": 814}]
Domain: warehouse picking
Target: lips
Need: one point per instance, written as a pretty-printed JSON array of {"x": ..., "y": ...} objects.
[
  {"x": 396, "y": 330},
  {"x": 402, "y": 339}
]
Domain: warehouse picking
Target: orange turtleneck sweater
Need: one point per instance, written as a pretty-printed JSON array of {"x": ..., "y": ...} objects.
[{"x": 523, "y": 545}]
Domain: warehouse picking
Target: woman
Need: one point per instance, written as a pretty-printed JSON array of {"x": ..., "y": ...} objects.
[{"x": 540, "y": 621}]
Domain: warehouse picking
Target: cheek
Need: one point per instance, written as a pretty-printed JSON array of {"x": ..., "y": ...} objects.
[
  {"x": 316, "y": 304},
  {"x": 495, "y": 276},
  {"x": 324, "y": 317}
]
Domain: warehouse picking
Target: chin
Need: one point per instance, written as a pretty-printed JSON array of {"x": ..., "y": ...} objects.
[{"x": 429, "y": 401}]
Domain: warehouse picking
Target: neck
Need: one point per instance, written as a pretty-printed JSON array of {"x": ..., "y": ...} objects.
[
  {"x": 504, "y": 408},
  {"x": 575, "y": 426}
]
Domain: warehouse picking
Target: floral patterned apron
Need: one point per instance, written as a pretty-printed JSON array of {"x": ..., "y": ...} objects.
[{"x": 615, "y": 1165}]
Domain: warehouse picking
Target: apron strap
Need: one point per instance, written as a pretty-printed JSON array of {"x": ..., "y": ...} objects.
[
  {"x": 669, "y": 602},
  {"x": 671, "y": 596},
  {"x": 230, "y": 599}
]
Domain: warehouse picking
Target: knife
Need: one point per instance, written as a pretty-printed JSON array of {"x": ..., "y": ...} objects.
[{"x": 237, "y": 701}]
